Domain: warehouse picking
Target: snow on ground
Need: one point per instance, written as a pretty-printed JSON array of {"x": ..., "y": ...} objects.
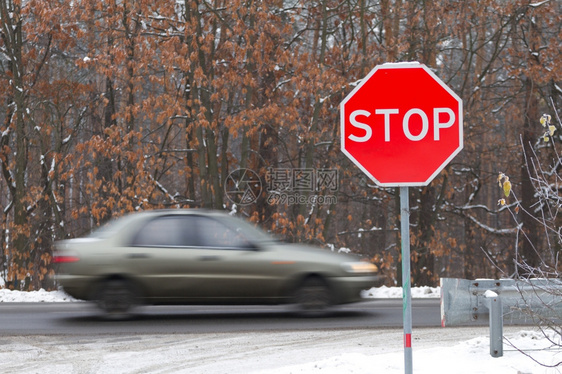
[
  {"x": 40, "y": 296},
  {"x": 435, "y": 350},
  {"x": 43, "y": 296},
  {"x": 396, "y": 292}
]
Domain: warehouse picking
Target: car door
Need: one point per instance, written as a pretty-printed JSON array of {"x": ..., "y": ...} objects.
[
  {"x": 231, "y": 266},
  {"x": 163, "y": 254}
]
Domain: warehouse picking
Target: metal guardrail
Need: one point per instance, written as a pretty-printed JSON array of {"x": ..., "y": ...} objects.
[
  {"x": 462, "y": 300},
  {"x": 465, "y": 302}
]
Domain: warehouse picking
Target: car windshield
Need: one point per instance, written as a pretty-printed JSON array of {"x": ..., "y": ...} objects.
[
  {"x": 249, "y": 231},
  {"x": 110, "y": 228}
]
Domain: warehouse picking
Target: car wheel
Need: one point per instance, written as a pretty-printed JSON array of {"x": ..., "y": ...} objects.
[
  {"x": 313, "y": 297},
  {"x": 116, "y": 298}
]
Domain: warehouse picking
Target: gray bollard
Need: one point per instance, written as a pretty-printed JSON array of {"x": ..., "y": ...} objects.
[{"x": 494, "y": 304}]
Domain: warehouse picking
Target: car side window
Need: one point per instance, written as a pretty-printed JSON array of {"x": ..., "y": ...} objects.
[
  {"x": 189, "y": 231},
  {"x": 215, "y": 234},
  {"x": 159, "y": 232},
  {"x": 168, "y": 231}
]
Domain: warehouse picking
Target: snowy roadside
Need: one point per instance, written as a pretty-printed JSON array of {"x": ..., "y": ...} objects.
[
  {"x": 43, "y": 296},
  {"x": 436, "y": 350}
]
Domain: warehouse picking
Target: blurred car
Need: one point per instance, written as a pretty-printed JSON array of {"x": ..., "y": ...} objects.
[{"x": 203, "y": 257}]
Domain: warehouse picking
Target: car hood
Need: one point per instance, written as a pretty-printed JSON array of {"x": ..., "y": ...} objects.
[{"x": 316, "y": 252}]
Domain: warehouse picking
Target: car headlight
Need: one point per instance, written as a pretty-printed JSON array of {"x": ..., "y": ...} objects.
[{"x": 359, "y": 267}]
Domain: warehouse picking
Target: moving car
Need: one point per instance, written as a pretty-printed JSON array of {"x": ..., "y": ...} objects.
[{"x": 189, "y": 256}]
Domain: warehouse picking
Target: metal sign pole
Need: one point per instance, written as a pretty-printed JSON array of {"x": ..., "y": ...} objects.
[{"x": 406, "y": 286}]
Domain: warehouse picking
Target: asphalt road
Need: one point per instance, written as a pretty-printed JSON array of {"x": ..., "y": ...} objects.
[{"x": 83, "y": 319}]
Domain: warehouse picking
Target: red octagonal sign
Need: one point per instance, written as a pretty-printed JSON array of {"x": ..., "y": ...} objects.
[{"x": 401, "y": 125}]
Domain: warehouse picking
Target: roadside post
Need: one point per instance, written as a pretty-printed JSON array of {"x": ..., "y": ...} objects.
[{"x": 401, "y": 125}]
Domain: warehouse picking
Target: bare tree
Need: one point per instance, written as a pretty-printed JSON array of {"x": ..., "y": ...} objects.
[{"x": 543, "y": 168}]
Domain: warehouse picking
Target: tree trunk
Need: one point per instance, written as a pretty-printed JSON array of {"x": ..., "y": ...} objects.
[{"x": 528, "y": 257}]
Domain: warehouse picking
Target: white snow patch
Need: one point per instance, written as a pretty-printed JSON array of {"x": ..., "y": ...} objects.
[
  {"x": 396, "y": 292},
  {"x": 41, "y": 296}
]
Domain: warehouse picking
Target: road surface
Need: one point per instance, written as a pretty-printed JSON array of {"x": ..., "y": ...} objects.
[{"x": 83, "y": 319}]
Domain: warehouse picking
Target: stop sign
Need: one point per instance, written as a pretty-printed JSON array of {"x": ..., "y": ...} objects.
[{"x": 401, "y": 125}]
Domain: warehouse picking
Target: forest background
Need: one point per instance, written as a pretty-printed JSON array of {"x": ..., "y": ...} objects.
[{"x": 108, "y": 107}]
